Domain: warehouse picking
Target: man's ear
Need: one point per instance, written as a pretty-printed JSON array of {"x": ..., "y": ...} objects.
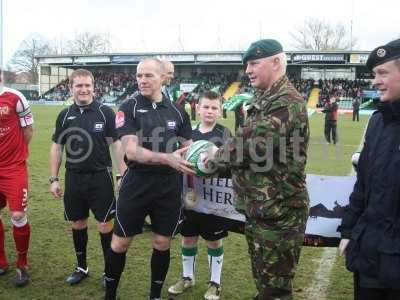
[
  {"x": 276, "y": 63},
  {"x": 163, "y": 77}
]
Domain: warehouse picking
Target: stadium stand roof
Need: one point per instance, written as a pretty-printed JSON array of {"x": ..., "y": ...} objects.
[{"x": 313, "y": 58}]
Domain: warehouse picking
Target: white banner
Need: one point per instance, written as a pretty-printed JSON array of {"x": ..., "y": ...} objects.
[
  {"x": 328, "y": 196},
  {"x": 214, "y": 196}
]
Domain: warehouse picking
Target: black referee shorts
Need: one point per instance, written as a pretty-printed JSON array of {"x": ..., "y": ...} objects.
[
  {"x": 89, "y": 191},
  {"x": 198, "y": 224},
  {"x": 147, "y": 193}
]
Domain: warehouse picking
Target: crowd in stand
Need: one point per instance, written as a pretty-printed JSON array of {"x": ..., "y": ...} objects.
[
  {"x": 245, "y": 86},
  {"x": 341, "y": 88},
  {"x": 119, "y": 84},
  {"x": 303, "y": 86},
  {"x": 59, "y": 93},
  {"x": 217, "y": 82},
  {"x": 207, "y": 81},
  {"x": 112, "y": 84}
]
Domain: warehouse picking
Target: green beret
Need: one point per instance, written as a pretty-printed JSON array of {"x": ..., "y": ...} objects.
[
  {"x": 383, "y": 54},
  {"x": 262, "y": 48}
]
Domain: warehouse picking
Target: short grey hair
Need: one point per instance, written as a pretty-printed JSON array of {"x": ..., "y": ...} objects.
[
  {"x": 283, "y": 58},
  {"x": 157, "y": 61}
]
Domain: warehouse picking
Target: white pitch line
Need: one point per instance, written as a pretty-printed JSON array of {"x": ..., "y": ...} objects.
[
  {"x": 320, "y": 283},
  {"x": 319, "y": 286}
]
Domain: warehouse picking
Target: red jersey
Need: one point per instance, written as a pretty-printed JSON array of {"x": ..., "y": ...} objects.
[{"x": 15, "y": 113}]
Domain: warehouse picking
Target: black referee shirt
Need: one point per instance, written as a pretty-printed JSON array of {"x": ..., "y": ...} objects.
[
  {"x": 218, "y": 135},
  {"x": 83, "y": 132},
  {"x": 159, "y": 127}
]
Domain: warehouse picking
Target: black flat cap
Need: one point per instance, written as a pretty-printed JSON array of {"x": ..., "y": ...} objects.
[{"x": 383, "y": 54}]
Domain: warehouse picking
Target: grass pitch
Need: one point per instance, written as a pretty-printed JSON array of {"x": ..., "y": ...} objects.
[{"x": 51, "y": 252}]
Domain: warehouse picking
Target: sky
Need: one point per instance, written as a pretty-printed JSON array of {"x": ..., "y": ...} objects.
[{"x": 202, "y": 25}]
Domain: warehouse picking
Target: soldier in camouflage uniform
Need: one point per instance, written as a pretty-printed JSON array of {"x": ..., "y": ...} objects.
[{"x": 267, "y": 158}]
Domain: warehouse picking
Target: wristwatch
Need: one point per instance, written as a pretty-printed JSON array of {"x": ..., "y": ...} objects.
[{"x": 53, "y": 179}]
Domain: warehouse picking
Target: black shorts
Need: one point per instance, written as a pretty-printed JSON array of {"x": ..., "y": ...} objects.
[
  {"x": 148, "y": 193},
  {"x": 89, "y": 191},
  {"x": 197, "y": 224}
]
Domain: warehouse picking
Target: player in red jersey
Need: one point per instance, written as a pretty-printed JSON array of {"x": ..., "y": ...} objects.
[{"x": 15, "y": 134}]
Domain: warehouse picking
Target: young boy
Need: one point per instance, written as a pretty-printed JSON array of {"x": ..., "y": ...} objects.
[{"x": 209, "y": 110}]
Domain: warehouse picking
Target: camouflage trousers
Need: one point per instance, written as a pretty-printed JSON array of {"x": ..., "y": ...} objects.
[{"x": 274, "y": 254}]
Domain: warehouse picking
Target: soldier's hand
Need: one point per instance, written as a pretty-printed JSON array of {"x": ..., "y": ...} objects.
[
  {"x": 56, "y": 190},
  {"x": 208, "y": 155},
  {"x": 342, "y": 246}
]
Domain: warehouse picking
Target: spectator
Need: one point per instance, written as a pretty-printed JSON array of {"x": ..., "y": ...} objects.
[
  {"x": 331, "y": 116},
  {"x": 356, "y": 109}
]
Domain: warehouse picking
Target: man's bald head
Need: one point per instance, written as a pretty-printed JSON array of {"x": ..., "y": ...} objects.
[
  {"x": 154, "y": 63},
  {"x": 150, "y": 77},
  {"x": 168, "y": 70}
]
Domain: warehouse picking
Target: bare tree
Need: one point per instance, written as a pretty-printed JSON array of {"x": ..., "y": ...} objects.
[
  {"x": 316, "y": 34},
  {"x": 59, "y": 46},
  {"x": 24, "y": 58},
  {"x": 9, "y": 77},
  {"x": 90, "y": 43}
]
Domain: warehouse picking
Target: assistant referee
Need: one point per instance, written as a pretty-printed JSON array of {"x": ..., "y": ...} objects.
[{"x": 85, "y": 130}]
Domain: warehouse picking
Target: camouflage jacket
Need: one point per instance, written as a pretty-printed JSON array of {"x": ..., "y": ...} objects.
[{"x": 267, "y": 156}]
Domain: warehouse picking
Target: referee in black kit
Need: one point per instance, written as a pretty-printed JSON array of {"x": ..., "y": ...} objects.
[
  {"x": 85, "y": 129},
  {"x": 150, "y": 127}
]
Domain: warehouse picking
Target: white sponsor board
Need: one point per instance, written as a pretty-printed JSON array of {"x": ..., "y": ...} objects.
[
  {"x": 318, "y": 57},
  {"x": 92, "y": 59},
  {"x": 219, "y": 57},
  {"x": 187, "y": 87}
]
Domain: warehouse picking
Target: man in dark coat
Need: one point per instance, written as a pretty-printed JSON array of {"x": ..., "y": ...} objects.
[
  {"x": 370, "y": 226},
  {"x": 356, "y": 109}
]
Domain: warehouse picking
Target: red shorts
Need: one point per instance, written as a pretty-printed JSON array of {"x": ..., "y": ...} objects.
[{"x": 14, "y": 188}]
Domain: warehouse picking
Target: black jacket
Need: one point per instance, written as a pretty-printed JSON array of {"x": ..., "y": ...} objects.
[{"x": 373, "y": 211}]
